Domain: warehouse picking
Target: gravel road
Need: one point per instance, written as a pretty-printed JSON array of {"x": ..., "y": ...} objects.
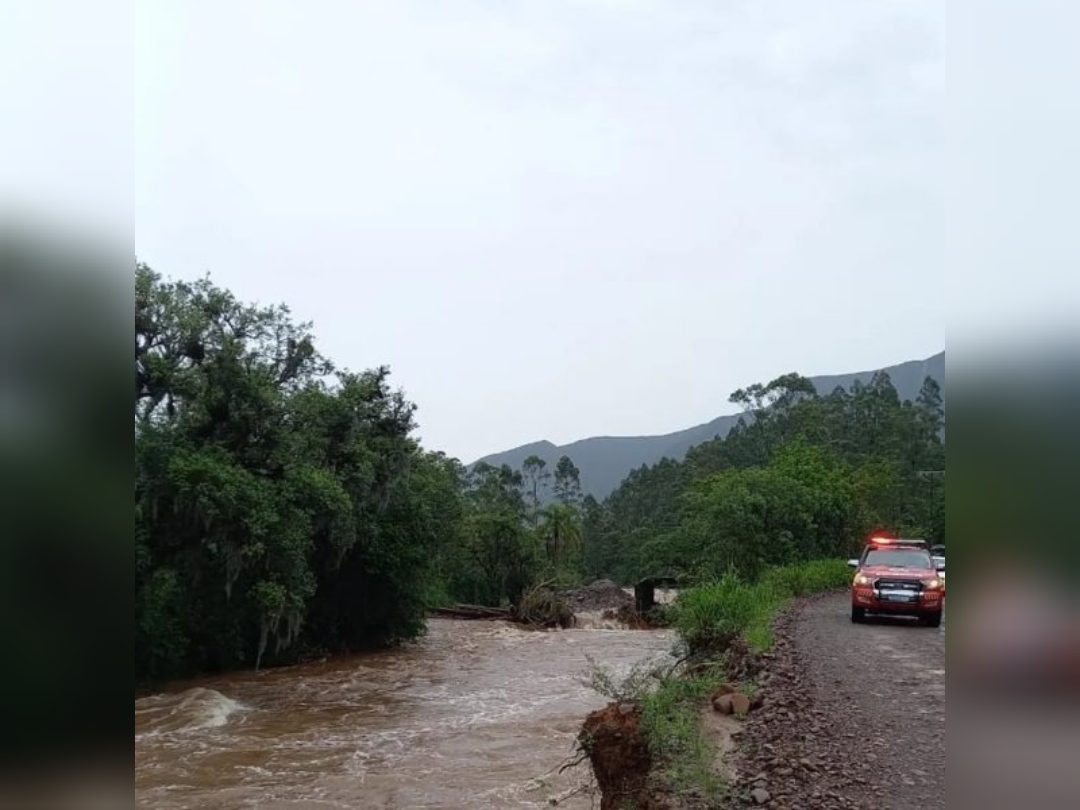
[{"x": 854, "y": 714}]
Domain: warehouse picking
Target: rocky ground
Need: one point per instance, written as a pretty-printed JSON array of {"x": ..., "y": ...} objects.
[{"x": 853, "y": 715}]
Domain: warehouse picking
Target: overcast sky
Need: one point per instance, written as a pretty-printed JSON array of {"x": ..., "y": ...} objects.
[{"x": 557, "y": 219}]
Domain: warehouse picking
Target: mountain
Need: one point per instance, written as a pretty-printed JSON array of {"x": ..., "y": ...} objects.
[{"x": 605, "y": 460}]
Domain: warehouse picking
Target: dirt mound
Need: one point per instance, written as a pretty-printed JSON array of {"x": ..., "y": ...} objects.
[
  {"x": 619, "y": 754},
  {"x": 602, "y": 594}
]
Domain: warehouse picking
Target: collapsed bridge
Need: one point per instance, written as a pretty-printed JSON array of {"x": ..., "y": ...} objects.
[{"x": 645, "y": 592}]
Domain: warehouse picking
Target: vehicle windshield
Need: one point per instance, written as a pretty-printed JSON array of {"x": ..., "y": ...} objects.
[{"x": 898, "y": 558}]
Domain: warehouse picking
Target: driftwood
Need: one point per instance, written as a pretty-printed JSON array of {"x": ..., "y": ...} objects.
[
  {"x": 538, "y": 607},
  {"x": 541, "y": 607},
  {"x": 473, "y": 612}
]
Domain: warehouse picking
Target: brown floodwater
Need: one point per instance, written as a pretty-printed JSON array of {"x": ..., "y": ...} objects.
[{"x": 474, "y": 715}]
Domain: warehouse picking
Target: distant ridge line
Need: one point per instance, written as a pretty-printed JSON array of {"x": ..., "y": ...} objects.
[{"x": 605, "y": 461}]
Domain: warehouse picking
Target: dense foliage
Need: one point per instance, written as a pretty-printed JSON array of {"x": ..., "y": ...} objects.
[
  {"x": 282, "y": 507},
  {"x": 802, "y": 476},
  {"x": 275, "y": 498}
]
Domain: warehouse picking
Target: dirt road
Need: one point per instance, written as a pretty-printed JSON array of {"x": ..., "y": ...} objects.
[{"x": 854, "y": 714}]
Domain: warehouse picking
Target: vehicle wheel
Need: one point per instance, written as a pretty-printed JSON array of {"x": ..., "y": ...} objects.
[
  {"x": 858, "y": 615},
  {"x": 932, "y": 619}
]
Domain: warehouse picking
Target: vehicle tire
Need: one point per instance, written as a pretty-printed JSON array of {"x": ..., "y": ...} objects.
[
  {"x": 858, "y": 615},
  {"x": 932, "y": 619}
]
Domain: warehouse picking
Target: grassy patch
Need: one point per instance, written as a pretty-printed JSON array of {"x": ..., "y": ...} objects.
[
  {"x": 778, "y": 585},
  {"x": 807, "y": 578},
  {"x": 709, "y": 617},
  {"x": 682, "y": 753}
]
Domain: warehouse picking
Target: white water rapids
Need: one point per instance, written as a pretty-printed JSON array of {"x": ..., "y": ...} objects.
[{"x": 474, "y": 715}]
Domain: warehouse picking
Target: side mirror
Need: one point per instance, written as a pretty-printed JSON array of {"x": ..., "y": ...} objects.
[{"x": 855, "y": 564}]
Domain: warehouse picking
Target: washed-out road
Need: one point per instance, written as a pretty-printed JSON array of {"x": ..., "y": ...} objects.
[{"x": 854, "y": 714}]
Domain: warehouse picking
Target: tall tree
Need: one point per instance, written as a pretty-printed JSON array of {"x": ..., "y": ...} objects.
[
  {"x": 567, "y": 482},
  {"x": 562, "y": 535},
  {"x": 536, "y": 479},
  {"x": 931, "y": 406}
]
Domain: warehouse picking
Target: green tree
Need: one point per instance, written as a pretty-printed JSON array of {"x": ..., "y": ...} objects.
[
  {"x": 567, "y": 482},
  {"x": 279, "y": 504},
  {"x": 536, "y": 477},
  {"x": 892, "y": 455},
  {"x": 562, "y": 535}
]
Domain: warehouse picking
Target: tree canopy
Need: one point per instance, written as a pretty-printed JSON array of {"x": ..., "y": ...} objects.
[{"x": 801, "y": 476}]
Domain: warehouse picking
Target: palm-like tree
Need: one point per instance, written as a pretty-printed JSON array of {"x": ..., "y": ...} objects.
[{"x": 561, "y": 532}]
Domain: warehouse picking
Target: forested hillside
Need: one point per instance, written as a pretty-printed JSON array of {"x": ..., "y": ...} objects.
[
  {"x": 806, "y": 476},
  {"x": 606, "y": 460}
]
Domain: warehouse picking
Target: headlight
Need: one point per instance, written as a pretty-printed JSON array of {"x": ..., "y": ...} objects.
[
  {"x": 931, "y": 584},
  {"x": 862, "y": 579}
]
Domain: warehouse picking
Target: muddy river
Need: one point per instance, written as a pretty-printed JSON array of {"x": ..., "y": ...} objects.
[{"x": 474, "y": 715}]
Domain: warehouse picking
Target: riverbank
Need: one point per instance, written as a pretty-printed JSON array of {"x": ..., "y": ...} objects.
[{"x": 657, "y": 744}]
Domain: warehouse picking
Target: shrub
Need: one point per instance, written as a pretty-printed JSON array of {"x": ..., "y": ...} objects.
[{"x": 709, "y": 617}]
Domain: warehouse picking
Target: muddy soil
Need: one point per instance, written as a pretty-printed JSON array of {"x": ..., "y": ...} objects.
[
  {"x": 619, "y": 755},
  {"x": 854, "y": 714}
]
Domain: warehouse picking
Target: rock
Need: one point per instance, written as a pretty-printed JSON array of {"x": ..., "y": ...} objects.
[
  {"x": 723, "y": 689},
  {"x": 723, "y": 704},
  {"x": 760, "y": 795},
  {"x": 740, "y": 704}
]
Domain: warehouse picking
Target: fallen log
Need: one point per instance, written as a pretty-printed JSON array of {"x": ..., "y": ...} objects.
[{"x": 473, "y": 612}]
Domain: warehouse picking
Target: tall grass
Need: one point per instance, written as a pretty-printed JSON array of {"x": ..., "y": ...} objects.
[
  {"x": 711, "y": 616},
  {"x": 682, "y": 751}
]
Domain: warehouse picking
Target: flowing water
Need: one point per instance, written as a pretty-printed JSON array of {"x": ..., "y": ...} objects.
[{"x": 474, "y": 715}]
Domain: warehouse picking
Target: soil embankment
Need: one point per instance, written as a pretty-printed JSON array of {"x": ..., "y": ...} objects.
[{"x": 619, "y": 754}]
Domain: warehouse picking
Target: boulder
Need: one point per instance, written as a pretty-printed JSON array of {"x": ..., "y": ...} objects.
[
  {"x": 740, "y": 704},
  {"x": 760, "y": 795},
  {"x": 723, "y": 704}
]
